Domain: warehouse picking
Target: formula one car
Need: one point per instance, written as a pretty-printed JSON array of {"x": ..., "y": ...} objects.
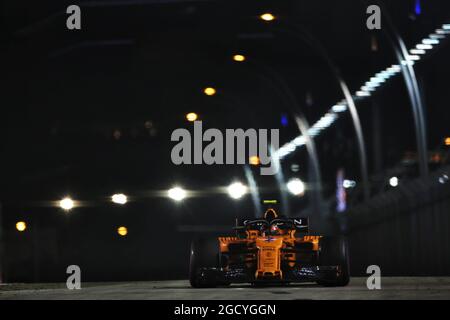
[{"x": 267, "y": 251}]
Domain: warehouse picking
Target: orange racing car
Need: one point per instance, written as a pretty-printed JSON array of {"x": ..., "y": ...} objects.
[{"x": 269, "y": 250}]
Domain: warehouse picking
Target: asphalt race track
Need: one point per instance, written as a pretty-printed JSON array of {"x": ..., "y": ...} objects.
[{"x": 392, "y": 288}]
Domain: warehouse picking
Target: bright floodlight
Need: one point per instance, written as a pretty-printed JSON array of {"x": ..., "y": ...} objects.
[
  {"x": 21, "y": 226},
  {"x": 239, "y": 57},
  {"x": 393, "y": 181},
  {"x": 348, "y": 184},
  {"x": 177, "y": 193},
  {"x": 191, "y": 116},
  {"x": 339, "y": 108},
  {"x": 254, "y": 160},
  {"x": 296, "y": 186},
  {"x": 122, "y": 231},
  {"x": 267, "y": 17},
  {"x": 209, "y": 91},
  {"x": 236, "y": 190},
  {"x": 66, "y": 203},
  {"x": 119, "y": 198}
]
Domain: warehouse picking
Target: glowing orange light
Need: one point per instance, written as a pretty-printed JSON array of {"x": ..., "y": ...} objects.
[
  {"x": 239, "y": 57},
  {"x": 21, "y": 226},
  {"x": 209, "y": 91},
  {"x": 267, "y": 17},
  {"x": 447, "y": 141},
  {"x": 191, "y": 116},
  {"x": 122, "y": 231},
  {"x": 254, "y": 160}
]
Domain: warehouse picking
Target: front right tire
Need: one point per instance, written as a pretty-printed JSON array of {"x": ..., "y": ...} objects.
[{"x": 334, "y": 252}]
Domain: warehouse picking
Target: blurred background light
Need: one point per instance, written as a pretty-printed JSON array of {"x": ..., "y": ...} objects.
[
  {"x": 191, "y": 116},
  {"x": 348, "y": 184},
  {"x": 209, "y": 91},
  {"x": 443, "y": 178},
  {"x": 122, "y": 231},
  {"x": 119, "y": 198},
  {"x": 254, "y": 160},
  {"x": 417, "y": 7},
  {"x": 393, "y": 182},
  {"x": 21, "y": 226},
  {"x": 267, "y": 17},
  {"x": 417, "y": 51},
  {"x": 237, "y": 190},
  {"x": 176, "y": 193},
  {"x": 284, "y": 120},
  {"x": 423, "y": 46},
  {"x": 239, "y": 57},
  {"x": 66, "y": 203},
  {"x": 296, "y": 186},
  {"x": 339, "y": 108}
]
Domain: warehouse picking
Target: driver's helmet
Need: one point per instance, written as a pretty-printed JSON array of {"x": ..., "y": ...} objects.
[{"x": 270, "y": 215}]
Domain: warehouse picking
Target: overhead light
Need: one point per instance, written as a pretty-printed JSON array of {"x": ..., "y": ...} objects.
[
  {"x": 372, "y": 85},
  {"x": 430, "y": 41},
  {"x": 21, "y": 226},
  {"x": 447, "y": 141},
  {"x": 362, "y": 93},
  {"x": 122, "y": 231},
  {"x": 177, "y": 193},
  {"x": 436, "y": 36},
  {"x": 191, "y": 116},
  {"x": 267, "y": 17},
  {"x": 299, "y": 141},
  {"x": 254, "y": 160},
  {"x": 236, "y": 190},
  {"x": 424, "y": 46},
  {"x": 348, "y": 184},
  {"x": 407, "y": 62},
  {"x": 339, "y": 108},
  {"x": 325, "y": 121},
  {"x": 367, "y": 88},
  {"x": 377, "y": 79},
  {"x": 413, "y": 57},
  {"x": 239, "y": 57},
  {"x": 296, "y": 187},
  {"x": 119, "y": 198},
  {"x": 393, "y": 182},
  {"x": 209, "y": 91},
  {"x": 374, "y": 82},
  {"x": 417, "y": 51},
  {"x": 66, "y": 204},
  {"x": 442, "y": 31},
  {"x": 395, "y": 68},
  {"x": 443, "y": 178}
]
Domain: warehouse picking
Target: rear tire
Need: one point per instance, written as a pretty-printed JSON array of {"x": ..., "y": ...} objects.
[
  {"x": 204, "y": 256},
  {"x": 334, "y": 252}
]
